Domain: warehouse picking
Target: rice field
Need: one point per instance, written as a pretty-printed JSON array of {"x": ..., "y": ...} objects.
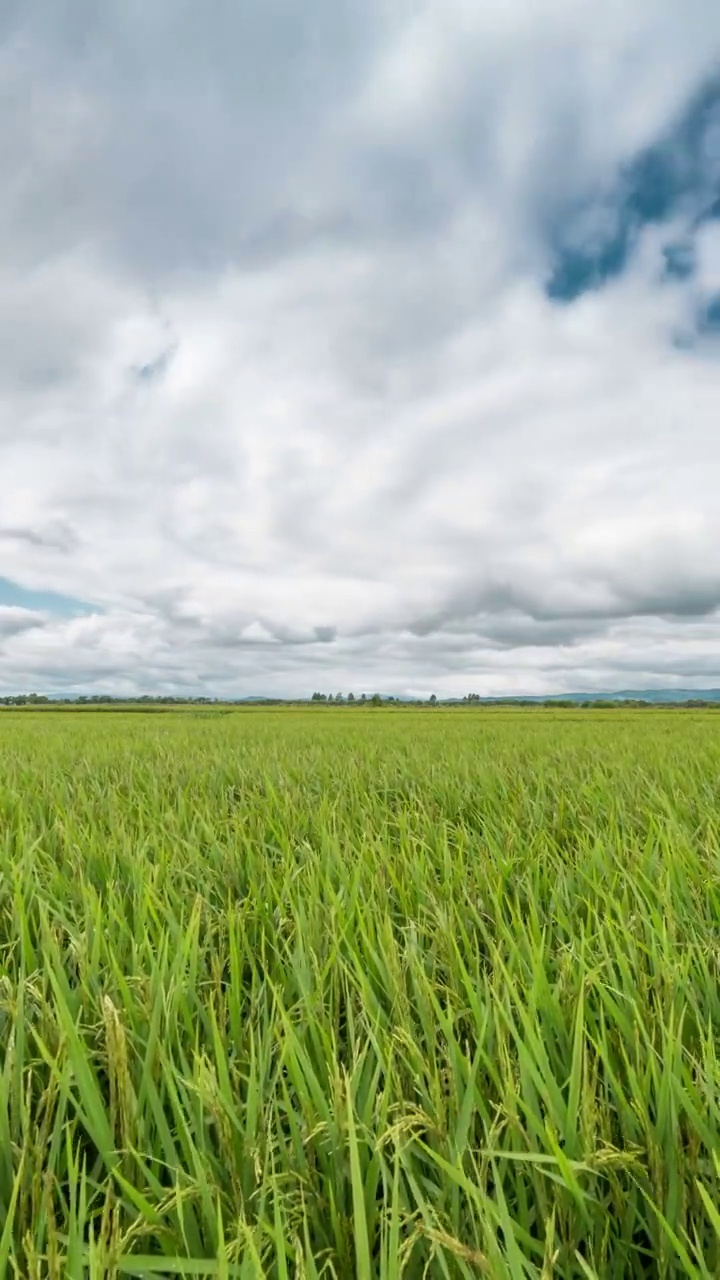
[{"x": 360, "y": 993}]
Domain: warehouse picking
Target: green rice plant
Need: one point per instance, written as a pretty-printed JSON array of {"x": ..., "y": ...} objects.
[{"x": 360, "y": 992}]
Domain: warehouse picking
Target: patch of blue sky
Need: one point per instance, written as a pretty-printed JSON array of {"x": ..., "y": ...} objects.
[
  {"x": 52, "y": 602},
  {"x": 678, "y": 177},
  {"x": 709, "y": 318}
]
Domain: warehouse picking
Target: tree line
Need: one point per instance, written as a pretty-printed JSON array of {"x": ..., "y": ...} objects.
[{"x": 338, "y": 699}]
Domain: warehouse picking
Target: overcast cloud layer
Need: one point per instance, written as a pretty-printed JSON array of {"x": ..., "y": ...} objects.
[{"x": 359, "y": 345}]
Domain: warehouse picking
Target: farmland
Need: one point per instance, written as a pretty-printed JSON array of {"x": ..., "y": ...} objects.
[{"x": 360, "y": 993}]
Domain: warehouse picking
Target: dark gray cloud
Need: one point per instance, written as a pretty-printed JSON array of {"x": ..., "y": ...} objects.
[
  {"x": 521, "y": 614},
  {"x": 15, "y": 621},
  {"x": 54, "y": 536},
  {"x": 178, "y": 142}
]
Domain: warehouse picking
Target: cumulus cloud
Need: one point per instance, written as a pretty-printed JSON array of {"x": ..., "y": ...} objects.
[
  {"x": 286, "y": 400},
  {"x": 14, "y": 621}
]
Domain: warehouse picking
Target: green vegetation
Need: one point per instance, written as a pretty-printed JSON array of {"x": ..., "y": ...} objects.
[{"x": 308, "y": 993}]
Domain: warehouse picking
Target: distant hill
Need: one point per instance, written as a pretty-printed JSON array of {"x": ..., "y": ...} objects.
[
  {"x": 650, "y": 695},
  {"x": 663, "y": 696}
]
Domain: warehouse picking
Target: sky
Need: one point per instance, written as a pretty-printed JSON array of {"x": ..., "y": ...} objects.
[{"x": 362, "y": 345}]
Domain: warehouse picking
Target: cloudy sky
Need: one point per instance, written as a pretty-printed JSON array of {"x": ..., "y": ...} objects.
[{"x": 366, "y": 344}]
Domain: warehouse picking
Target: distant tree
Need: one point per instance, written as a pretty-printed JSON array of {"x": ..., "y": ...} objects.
[
  {"x": 363, "y": 697},
  {"x": 376, "y": 700},
  {"x": 432, "y": 699},
  {"x": 351, "y": 697},
  {"x": 338, "y": 697}
]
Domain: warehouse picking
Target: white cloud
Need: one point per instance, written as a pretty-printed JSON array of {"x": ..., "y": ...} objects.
[
  {"x": 14, "y": 620},
  {"x": 368, "y": 450},
  {"x": 708, "y": 257}
]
